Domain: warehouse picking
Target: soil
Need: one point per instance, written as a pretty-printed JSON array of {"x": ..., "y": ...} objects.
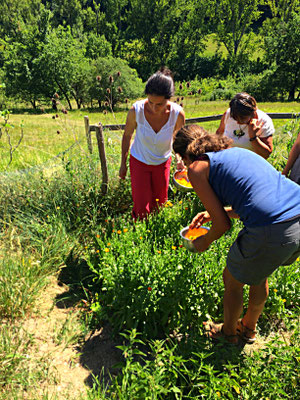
[{"x": 56, "y": 331}]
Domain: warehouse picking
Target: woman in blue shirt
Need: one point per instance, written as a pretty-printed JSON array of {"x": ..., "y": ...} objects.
[{"x": 267, "y": 203}]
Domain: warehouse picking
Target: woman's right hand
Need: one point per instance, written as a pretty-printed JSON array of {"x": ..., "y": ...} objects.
[
  {"x": 200, "y": 219},
  {"x": 123, "y": 171}
]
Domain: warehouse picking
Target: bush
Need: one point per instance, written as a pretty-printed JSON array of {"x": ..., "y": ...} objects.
[
  {"x": 262, "y": 86},
  {"x": 113, "y": 81}
]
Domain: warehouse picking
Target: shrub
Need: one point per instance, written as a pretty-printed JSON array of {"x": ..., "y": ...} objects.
[{"x": 113, "y": 81}]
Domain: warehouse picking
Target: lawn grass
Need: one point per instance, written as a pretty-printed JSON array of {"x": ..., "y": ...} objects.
[
  {"x": 46, "y": 136},
  {"x": 135, "y": 277}
]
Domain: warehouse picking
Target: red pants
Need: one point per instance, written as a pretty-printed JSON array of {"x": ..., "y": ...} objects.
[{"x": 149, "y": 185}]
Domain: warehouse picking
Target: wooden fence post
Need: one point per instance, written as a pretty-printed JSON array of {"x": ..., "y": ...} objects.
[
  {"x": 88, "y": 134},
  {"x": 101, "y": 149}
]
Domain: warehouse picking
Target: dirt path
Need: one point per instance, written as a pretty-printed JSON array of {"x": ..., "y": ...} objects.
[{"x": 56, "y": 332}]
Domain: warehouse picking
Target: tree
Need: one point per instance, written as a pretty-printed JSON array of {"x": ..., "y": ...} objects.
[
  {"x": 163, "y": 28},
  {"x": 67, "y": 13},
  {"x": 15, "y": 15},
  {"x": 231, "y": 20},
  {"x": 23, "y": 74},
  {"x": 97, "y": 46},
  {"x": 62, "y": 62},
  {"x": 281, "y": 44},
  {"x": 283, "y": 9}
]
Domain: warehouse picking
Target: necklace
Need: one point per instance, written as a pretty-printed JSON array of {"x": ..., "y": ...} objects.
[{"x": 239, "y": 132}]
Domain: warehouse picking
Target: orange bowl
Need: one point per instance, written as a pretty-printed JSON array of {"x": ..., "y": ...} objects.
[
  {"x": 181, "y": 181},
  {"x": 188, "y": 235}
]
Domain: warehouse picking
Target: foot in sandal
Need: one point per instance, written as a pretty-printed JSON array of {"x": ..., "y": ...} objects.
[
  {"x": 216, "y": 333},
  {"x": 246, "y": 334}
]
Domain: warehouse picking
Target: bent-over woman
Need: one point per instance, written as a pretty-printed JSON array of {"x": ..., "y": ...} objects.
[{"x": 266, "y": 202}]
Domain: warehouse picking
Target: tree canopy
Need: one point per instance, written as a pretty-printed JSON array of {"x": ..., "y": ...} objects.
[{"x": 50, "y": 46}]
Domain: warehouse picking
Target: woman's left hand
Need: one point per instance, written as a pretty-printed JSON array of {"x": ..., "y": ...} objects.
[{"x": 254, "y": 127}]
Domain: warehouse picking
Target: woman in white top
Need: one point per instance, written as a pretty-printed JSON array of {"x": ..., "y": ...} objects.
[
  {"x": 243, "y": 111},
  {"x": 155, "y": 119}
]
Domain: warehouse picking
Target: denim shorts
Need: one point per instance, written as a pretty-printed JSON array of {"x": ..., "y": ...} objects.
[{"x": 257, "y": 252}]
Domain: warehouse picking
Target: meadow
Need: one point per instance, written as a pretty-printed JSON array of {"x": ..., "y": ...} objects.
[{"x": 137, "y": 279}]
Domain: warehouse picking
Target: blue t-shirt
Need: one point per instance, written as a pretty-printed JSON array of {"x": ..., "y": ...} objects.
[{"x": 257, "y": 192}]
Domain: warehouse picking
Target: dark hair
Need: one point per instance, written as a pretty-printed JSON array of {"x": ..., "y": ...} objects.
[
  {"x": 242, "y": 105},
  {"x": 193, "y": 141},
  {"x": 161, "y": 84}
]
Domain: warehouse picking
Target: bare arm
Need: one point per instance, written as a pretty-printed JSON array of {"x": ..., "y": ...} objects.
[
  {"x": 126, "y": 139},
  {"x": 261, "y": 145},
  {"x": 198, "y": 175},
  {"x": 179, "y": 124},
  {"x": 294, "y": 153},
  {"x": 221, "y": 128},
  {"x": 180, "y": 121},
  {"x": 204, "y": 216}
]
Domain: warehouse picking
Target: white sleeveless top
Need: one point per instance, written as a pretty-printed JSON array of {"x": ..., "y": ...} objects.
[
  {"x": 239, "y": 132},
  {"x": 148, "y": 146}
]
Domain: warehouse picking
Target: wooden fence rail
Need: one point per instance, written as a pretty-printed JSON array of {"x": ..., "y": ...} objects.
[
  {"x": 98, "y": 128},
  {"x": 189, "y": 121}
]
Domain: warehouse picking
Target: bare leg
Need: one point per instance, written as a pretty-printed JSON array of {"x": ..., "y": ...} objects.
[
  {"x": 257, "y": 297},
  {"x": 233, "y": 302}
]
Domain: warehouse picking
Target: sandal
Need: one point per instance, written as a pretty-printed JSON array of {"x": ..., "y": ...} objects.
[
  {"x": 246, "y": 334},
  {"x": 216, "y": 333}
]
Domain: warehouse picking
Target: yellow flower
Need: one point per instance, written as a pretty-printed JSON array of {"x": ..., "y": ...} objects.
[
  {"x": 97, "y": 251},
  {"x": 97, "y": 236},
  {"x": 180, "y": 202},
  {"x": 58, "y": 208},
  {"x": 218, "y": 394},
  {"x": 125, "y": 230},
  {"x": 106, "y": 250},
  {"x": 141, "y": 237},
  {"x": 159, "y": 252},
  {"x": 174, "y": 247},
  {"x": 275, "y": 290},
  {"x": 156, "y": 199},
  {"x": 119, "y": 232},
  {"x": 283, "y": 300},
  {"x": 108, "y": 244}
]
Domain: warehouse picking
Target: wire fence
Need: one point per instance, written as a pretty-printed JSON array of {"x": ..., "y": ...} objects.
[{"x": 113, "y": 127}]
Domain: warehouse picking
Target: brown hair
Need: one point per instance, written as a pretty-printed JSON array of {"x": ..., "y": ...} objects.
[
  {"x": 242, "y": 105},
  {"x": 193, "y": 141},
  {"x": 161, "y": 84}
]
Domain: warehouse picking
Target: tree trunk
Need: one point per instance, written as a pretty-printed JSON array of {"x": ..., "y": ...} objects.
[
  {"x": 292, "y": 93},
  {"x": 65, "y": 94},
  {"x": 33, "y": 103}
]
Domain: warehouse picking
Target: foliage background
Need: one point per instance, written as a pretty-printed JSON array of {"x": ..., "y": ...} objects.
[{"x": 50, "y": 47}]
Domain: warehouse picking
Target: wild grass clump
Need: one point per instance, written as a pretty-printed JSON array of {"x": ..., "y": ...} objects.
[{"x": 193, "y": 369}]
